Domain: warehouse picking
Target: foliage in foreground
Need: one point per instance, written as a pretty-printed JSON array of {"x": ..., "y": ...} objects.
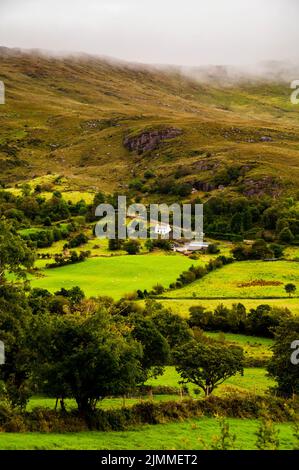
[{"x": 267, "y": 435}]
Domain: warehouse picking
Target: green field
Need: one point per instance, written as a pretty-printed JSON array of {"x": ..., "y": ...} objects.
[
  {"x": 173, "y": 436},
  {"x": 107, "y": 404},
  {"x": 181, "y": 306},
  {"x": 254, "y": 380},
  {"x": 118, "y": 275},
  {"x": 115, "y": 276},
  {"x": 225, "y": 282},
  {"x": 97, "y": 247},
  {"x": 292, "y": 252},
  {"x": 55, "y": 183},
  {"x": 258, "y": 348}
]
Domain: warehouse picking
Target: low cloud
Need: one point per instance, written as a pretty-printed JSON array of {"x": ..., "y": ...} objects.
[{"x": 193, "y": 32}]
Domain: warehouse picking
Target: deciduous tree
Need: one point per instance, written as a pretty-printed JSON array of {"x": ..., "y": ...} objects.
[{"x": 208, "y": 365}]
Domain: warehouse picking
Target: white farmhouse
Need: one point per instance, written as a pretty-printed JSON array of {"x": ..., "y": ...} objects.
[{"x": 192, "y": 246}]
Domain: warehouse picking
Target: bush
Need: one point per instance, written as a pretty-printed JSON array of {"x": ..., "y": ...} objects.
[
  {"x": 158, "y": 289},
  {"x": 15, "y": 423},
  {"x": 132, "y": 247},
  {"x": 286, "y": 236},
  {"x": 161, "y": 244},
  {"x": 78, "y": 240},
  {"x": 213, "y": 249},
  {"x": 136, "y": 184},
  {"x": 149, "y": 174}
]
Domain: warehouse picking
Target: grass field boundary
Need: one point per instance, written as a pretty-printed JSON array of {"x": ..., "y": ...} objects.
[{"x": 149, "y": 413}]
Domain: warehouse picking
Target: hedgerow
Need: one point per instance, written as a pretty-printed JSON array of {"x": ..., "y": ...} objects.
[{"x": 147, "y": 412}]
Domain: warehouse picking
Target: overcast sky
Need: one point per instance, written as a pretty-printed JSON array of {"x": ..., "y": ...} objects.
[{"x": 187, "y": 32}]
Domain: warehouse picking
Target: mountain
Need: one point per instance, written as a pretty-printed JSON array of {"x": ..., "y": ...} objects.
[{"x": 103, "y": 124}]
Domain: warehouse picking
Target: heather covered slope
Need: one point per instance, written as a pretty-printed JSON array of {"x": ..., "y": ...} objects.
[{"x": 73, "y": 116}]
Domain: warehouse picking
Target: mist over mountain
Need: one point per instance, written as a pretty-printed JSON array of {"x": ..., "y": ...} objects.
[
  {"x": 222, "y": 74},
  {"x": 271, "y": 71}
]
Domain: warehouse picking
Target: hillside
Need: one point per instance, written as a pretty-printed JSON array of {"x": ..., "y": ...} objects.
[{"x": 103, "y": 124}]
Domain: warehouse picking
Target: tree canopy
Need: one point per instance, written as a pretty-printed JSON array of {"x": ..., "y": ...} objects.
[
  {"x": 208, "y": 365},
  {"x": 15, "y": 256},
  {"x": 281, "y": 367},
  {"x": 86, "y": 358}
]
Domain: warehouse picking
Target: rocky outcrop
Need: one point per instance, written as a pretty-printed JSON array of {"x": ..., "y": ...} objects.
[
  {"x": 150, "y": 140},
  {"x": 266, "y": 185},
  {"x": 203, "y": 186}
]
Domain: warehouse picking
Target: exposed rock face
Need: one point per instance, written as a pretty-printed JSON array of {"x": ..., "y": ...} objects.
[
  {"x": 266, "y": 185},
  {"x": 203, "y": 186},
  {"x": 150, "y": 140}
]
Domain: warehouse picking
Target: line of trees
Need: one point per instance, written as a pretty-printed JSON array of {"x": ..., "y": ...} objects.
[
  {"x": 72, "y": 258},
  {"x": 259, "y": 321}
]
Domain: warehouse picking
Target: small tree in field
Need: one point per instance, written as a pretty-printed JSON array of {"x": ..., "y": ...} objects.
[
  {"x": 226, "y": 440},
  {"x": 290, "y": 289},
  {"x": 267, "y": 435},
  {"x": 208, "y": 365}
]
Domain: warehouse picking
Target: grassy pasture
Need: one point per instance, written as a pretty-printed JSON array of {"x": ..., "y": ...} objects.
[
  {"x": 55, "y": 183},
  {"x": 107, "y": 404},
  {"x": 172, "y": 436},
  {"x": 255, "y": 380},
  {"x": 258, "y": 348},
  {"x": 100, "y": 250},
  {"x": 226, "y": 282},
  {"x": 73, "y": 196},
  {"x": 122, "y": 274},
  {"x": 116, "y": 275},
  {"x": 292, "y": 253}
]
